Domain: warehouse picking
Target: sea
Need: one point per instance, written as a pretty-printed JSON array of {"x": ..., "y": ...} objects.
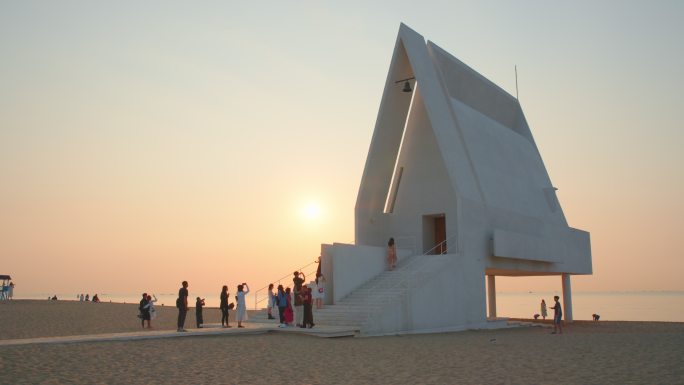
[{"x": 667, "y": 306}]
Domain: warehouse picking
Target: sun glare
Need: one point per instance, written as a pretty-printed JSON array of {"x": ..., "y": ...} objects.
[{"x": 311, "y": 211}]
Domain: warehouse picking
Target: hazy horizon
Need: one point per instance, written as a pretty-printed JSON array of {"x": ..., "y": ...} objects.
[{"x": 142, "y": 144}]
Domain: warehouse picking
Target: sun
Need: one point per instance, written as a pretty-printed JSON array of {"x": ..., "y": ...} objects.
[{"x": 311, "y": 211}]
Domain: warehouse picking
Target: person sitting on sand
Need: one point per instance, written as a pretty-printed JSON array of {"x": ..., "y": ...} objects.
[
  {"x": 241, "y": 304},
  {"x": 543, "y": 309},
  {"x": 96, "y": 299},
  {"x": 198, "y": 312},
  {"x": 557, "y": 315}
]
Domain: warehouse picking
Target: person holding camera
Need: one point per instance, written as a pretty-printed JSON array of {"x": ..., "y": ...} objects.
[
  {"x": 298, "y": 280},
  {"x": 241, "y": 303},
  {"x": 198, "y": 312}
]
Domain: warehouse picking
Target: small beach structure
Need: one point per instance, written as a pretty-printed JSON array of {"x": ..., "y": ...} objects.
[{"x": 454, "y": 175}]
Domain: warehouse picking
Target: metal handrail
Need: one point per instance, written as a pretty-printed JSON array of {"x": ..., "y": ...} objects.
[
  {"x": 443, "y": 250},
  {"x": 414, "y": 259},
  {"x": 256, "y": 293},
  {"x": 404, "y": 282}
]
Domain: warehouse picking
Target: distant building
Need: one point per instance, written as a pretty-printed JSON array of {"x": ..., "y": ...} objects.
[{"x": 454, "y": 176}]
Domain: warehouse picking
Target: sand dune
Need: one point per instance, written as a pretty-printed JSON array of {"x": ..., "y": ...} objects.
[{"x": 588, "y": 353}]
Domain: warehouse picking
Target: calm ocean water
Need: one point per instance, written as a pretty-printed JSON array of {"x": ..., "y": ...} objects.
[{"x": 614, "y": 306}]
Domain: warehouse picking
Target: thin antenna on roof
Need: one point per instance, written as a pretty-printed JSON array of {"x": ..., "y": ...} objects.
[{"x": 516, "y": 82}]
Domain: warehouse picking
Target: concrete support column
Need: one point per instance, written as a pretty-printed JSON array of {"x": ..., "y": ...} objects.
[
  {"x": 567, "y": 298},
  {"x": 491, "y": 294}
]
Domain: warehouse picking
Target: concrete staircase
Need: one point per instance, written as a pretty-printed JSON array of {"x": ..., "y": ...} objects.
[{"x": 359, "y": 308}]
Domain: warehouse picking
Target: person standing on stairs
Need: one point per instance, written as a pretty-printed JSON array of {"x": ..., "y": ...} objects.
[{"x": 391, "y": 254}]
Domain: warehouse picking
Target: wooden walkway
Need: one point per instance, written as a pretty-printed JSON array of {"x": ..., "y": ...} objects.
[{"x": 208, "y": 330}]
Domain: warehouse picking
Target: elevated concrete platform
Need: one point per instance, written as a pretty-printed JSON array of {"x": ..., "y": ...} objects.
[{"x": 208, "y": 330}]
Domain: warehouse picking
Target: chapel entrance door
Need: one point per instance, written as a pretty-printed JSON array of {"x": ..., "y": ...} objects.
[{"x": 434, "y": 234}]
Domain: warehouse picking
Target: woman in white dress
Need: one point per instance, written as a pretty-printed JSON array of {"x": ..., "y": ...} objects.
[
  {"x": 241, "y": 304},
  {"x": 271, "y": 301},
  {"x": 319, "y": 291},
  {"x": 150, "y": 304}
]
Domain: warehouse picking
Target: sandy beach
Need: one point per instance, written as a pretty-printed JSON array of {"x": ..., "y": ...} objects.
[{"x": 587, "y": 353}]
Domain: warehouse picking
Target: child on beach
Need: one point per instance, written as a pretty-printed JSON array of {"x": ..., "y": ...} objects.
[
  {"x": 543, "y": 309},
  {"x": 557, "y": 315},
  {"x": 198, "y": 312}
]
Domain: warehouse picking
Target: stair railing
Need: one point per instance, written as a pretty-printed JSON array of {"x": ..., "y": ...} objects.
[
  {"x": 442, "y": 248},
  {"x": 257, "y": 301}
]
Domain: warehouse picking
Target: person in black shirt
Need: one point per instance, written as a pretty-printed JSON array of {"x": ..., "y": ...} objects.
[
  {"x": 224, "y": 307},
  {"x": 182, "y": 305},
  {"x": 198, "y": 312},
  {"x": 308, "y": 308},
  {"x": 298, "y": 280},
  {"x": 557, "y": 316},
  {"x": 144, "y": 311}
]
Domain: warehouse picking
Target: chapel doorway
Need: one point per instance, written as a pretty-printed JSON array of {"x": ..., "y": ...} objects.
[{"x": 434, "y": 234}]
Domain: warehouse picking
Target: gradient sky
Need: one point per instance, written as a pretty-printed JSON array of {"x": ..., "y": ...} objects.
[{"x": 143, "y": 143}]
